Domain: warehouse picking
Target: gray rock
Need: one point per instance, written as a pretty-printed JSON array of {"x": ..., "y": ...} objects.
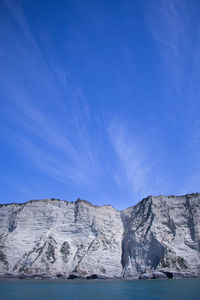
[
  {"x": 154, "y": 275},
  {"x": 59, "y": 239},
  {"x": 145, "y": 276},
  {"x": 179, "y": 275},
  {"x": 167, "y": 273},
  {"x": 159, "y": 275},
  {"x": 98, "y": 276},
  {"x": 74, "y": 276}
]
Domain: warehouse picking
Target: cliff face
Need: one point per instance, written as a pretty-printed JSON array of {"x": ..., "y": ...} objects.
[
  {"x": 59, "y": 238},
  {"x": 162, "y": 233}
]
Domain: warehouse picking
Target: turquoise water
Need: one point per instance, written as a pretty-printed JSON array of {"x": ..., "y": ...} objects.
[{"x": 183, "y": 289}]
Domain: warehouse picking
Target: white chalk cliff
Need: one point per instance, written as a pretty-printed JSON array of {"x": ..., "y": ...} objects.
[{"x": 158, "y": 237}]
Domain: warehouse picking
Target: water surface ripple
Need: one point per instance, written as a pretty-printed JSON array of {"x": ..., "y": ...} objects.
[{"x": 183, "y": 289}]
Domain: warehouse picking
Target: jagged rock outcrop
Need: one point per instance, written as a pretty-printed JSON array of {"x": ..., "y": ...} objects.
[{"x": 157, "y": 238}]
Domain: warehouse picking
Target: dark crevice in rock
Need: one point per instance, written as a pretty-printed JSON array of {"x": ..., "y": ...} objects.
[
  {"x": 154, "y": 252},
  {"x": 92, "y": 276},
  {"x": 124, "y": 258},
  {"x": 150, "y": 223},
  {"x": 170, "y": 224},
  {"x": 12, "y": 223},
  {"x": 76, "y": 209},
  {"x": 169, "y": 274},
  {"x": 65, "y": 250},
  {"x": 3, "y": 258},
  {"x": 50, "y": 251},
  {"x": 37, "y": 250},
  {"x": 74, "y": 276},
  {"x": 190, "y": 218},
  {"x": 145, "y": 210}
]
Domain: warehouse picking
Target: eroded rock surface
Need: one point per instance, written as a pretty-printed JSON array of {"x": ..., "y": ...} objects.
[
  {"x": 158, "y": 237},
  {"x": 162, "y": 233}
]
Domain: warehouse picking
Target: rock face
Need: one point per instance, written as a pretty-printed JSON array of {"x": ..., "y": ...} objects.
[{"x": 157, "y": 238}]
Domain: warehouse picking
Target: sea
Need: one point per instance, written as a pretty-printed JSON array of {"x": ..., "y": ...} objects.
[{"x": 179, "y": 289}]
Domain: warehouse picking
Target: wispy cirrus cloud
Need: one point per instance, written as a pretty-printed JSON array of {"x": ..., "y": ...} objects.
[
  {"x": 63, "y": 149},
  {"x": 69, "y": 139},
  {"x": 175, "y": 29},
  {"x": 53, "y": 132},
  {"x": 176, "y": 38},
  {"x": 56, "y": 130},
  {"x": 137, "y": 170}
]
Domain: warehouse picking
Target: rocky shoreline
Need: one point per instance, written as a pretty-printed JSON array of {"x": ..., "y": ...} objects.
[{"x": 145, "y": 276}]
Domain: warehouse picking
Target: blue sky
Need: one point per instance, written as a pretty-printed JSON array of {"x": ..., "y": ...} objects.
[{"x": 99, "y": 99}]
